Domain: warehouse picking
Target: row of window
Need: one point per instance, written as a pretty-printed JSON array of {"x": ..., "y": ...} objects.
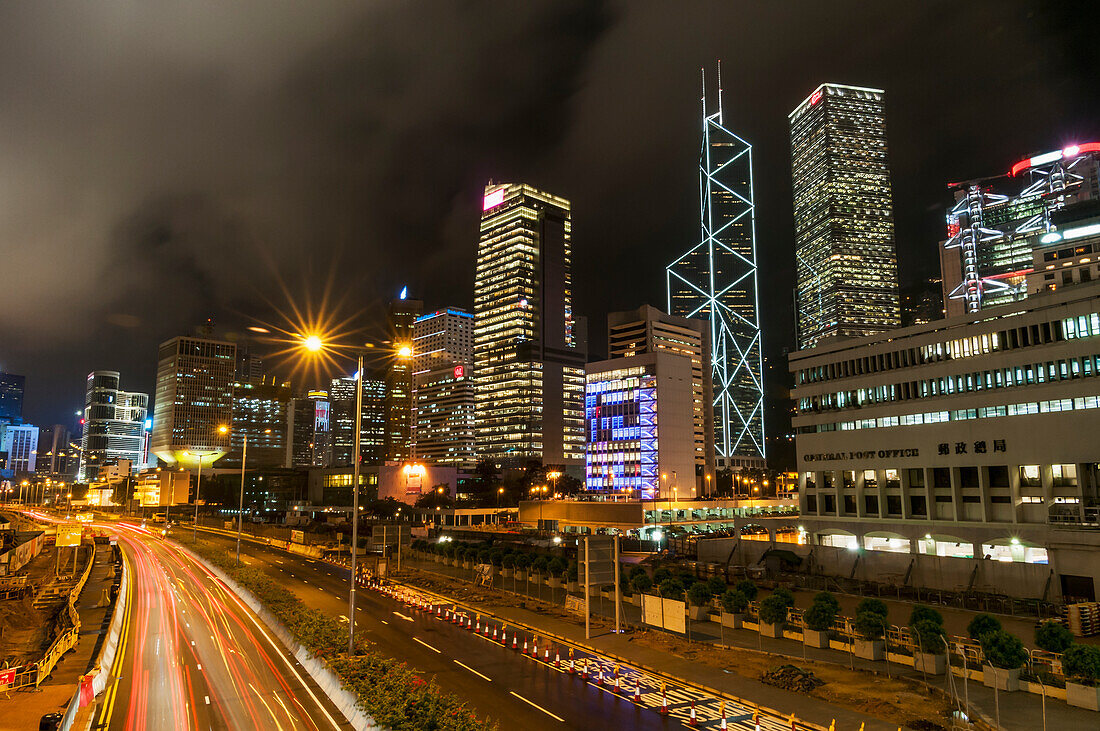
[
  {"x": 1061, "y": 475},
  {"x": 987, "y": 412},
  {"x": 1014, "y": 376},
  {"x": 975, "y": 345}
]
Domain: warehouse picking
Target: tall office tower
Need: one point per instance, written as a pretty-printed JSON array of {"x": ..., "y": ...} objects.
[
  {"x": 260, "y": 416},
  {"x": 11, "y": 397},
  {"x": 716, "y": 280},
  {"x": 846, "y": 266},
  {"x": 443, "y": 389},
  {"x": 19, "y": 442},
  {"x": 372, "y": 434},
  {"x": 998, "y": 222},
  {"x": 114, "y": 425},
  {"x": 648, "y": 330},
  {"x": 55, "y": 458},
  {"x": 529, "y": 371},
  {"x": 194, "y": 397},
  {"x": 443, "y": 338},
  {"x": 308, "y": 430},
  {"x": 399, "y": 383}
]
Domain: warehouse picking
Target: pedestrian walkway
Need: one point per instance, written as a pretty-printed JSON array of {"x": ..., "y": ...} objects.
[
  {"x": 1016, "y": 710},
  {"x": 22, "y": 709}
]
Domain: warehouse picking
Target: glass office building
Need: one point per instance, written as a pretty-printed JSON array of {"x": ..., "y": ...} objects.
[{"x": 846, "y": 264}]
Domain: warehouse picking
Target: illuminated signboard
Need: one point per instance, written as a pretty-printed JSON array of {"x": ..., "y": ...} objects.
[
  {"x": 460, "y": 371},
  {"x": 493, "y": 199},
  {"x": 815, "y": 97}
]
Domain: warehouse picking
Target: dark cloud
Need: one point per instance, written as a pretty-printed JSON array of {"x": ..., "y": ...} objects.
[{"x": 164, "y": 164}]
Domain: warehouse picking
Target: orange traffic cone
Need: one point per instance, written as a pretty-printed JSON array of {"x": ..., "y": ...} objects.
[
  {"x": 664, "y": 699},
  {"x": 691, "y": 720},
  {"x": 637, "y": 690},
  {"x": 515, "y": 641}
]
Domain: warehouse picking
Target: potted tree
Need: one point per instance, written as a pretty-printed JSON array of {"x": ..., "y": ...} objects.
[
  {"x": 484, "y": 556},
  {"x": 671, "y": 589},
  {"x": 699, "y": 601},
  {"x": 1053, "y": 637},
  {"x": 556, "y": 568},
  {"x": 640, "y": 583},
  {"x": 1081, "y": 664},
  {"x": 539, "y": 566},
  {"x": 926, "y": 628},
  {"x": 571, "y": 576},
  {"x": 773, "y": 615},
  {"x": 747, "y": 588},
  {"x": 717, "y": 585},
  {"x": 522, "y": 561},
  {"x": 507, "y": 565},
  {"x": 870, "y": 625},
  {"x": 733, "y": 608},
  {"x": 818, "y": 620},
  {"x": 437, "y": 552},
  {"x": 1004, "y": 656},
  {"x": 982, "y": 624}
]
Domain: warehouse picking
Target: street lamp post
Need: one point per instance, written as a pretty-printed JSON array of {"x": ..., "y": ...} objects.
[
  {"x": 240, "y": 505},
  {"x": 356, "y": 458}
]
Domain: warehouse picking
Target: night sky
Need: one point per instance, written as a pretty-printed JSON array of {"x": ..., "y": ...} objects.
[{"x": 165, "y": 163}]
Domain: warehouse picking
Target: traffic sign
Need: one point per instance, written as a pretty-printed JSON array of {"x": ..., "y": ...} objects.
[{"x": 68, "y": 534}]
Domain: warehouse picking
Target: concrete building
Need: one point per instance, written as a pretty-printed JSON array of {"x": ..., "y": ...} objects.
[
  {"x": 309, "y": 436},
  {"x": 19, "y": 442},
  {"x": 528, "y": 368},
  {"x": 443, "y": 388},
  {"x": 194, "y": 397},
  {"x": 158, "y": 487},
  {"x": 443, "y": 338},
  {"x": 639, "y": 422},
  {"x": 404, "y": 482},
  {"x": 260, "y": 416},
  {"x": 966, "y": 438},
  {"x": 115, "y": 425},
  {"x": 648, "y": 330},
  {"x": 845, "y": 259}
]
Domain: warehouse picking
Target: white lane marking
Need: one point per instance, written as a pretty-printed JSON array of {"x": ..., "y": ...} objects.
[
  {"x": 427, "y": 645},
  {"x": 199, "y": 665},
  {"x": 536, "y": 705},
  {"x": 407, "y": 619},
  {"x": 207, "y": 700},
  {"x": 384, "y": 622},
  {"x": 486, "y": 677}
]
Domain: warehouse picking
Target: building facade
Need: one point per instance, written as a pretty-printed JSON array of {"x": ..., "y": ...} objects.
[
  {"x": 444, "y": 416},
  {"x": 259, "y": 416},
  {"x": 640, "y": 426},
  {"x": 309, "y": 436},
  {"x": 20, "y": 443},
  {"x": 528, "y": 368},
  {"x": 845, "y": 260},
  {"x": 716, "y": 281},
  {"x": 57, "y": 456},
  {"x": 443, "y": 338},
  {"x": 962, "y": 438},
  {"x": 997, "y": 223},
  {"x": 194, "y": 397},
  {"x": 372, "y": 434},
  {"x": 115, "y": 425},
  {"x": 648, "y": 330},
  {"x": 399, "y": 377}
]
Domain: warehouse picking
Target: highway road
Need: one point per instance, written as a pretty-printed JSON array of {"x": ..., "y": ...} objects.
[
  {"x": 494, "y": 680},
  {"x": 193, "y": 656}
]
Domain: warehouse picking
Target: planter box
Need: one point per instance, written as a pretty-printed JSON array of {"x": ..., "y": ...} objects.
[
  {"x": 698, "y": 613},
  {"x": 635, "y": 599},
  {"x": 607, "y": 594},
  {"x": 572, "y": 586},
  {"x": 733, "y": 621},
  {"x": 506, "y": 573},
  {"x": 869, "y": 649},
  {"x": 929, "y": 663},
  {"x": 771, "y": 630},
  {"x": 555, "y": 582},
  {"x": 813, "y": 638},
  {"x": 1006, "y": 680},
  {"x": 521, "y": 575},
  {"x": 1083, "y": 696},
  {"x": 467, "y": 565}
]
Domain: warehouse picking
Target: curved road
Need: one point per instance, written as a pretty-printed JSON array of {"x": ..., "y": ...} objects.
[{"x": 192, "y": 656}]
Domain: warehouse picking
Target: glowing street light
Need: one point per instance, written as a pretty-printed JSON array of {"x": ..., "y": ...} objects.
[{"x": 312, "y": 343}]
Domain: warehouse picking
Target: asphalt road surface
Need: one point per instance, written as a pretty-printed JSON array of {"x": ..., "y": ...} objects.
[
  {"x": 194, "y": 657},
  {"x": 494, "y": 680}
]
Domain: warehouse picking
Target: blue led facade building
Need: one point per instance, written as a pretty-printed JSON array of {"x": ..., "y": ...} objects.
[{"x": 716, "y": 280}]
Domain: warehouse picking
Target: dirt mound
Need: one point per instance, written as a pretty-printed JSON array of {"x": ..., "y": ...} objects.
[
  {"x": 789, "y": 677},
  {"x": 921, "y": 724}
]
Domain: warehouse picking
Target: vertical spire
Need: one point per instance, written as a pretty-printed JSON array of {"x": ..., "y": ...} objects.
[
  {"x": 719, "y": 91},
  {"x": 703, "y": 98}
]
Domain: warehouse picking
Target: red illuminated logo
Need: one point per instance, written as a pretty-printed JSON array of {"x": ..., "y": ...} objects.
[
  {"x": 460, "y": 371},
  {"x": 815, "y": 97},
  {"x": 493, "y": 199}
]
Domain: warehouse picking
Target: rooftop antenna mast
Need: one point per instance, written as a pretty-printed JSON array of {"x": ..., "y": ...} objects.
[
  {"x": 703, "y": 98},
  {"x": 719, "y": 91}
]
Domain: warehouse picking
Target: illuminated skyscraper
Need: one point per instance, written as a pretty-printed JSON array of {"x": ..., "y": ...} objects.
[
  {"x": 399, "y": 382},
  {"x": 114, "y": 425},
  {"x": 372, "y": 440},
  {"x": 194, "y": 397},
  {"x": 846, "y": 265},
  {"x": 528, "y": 367},
  {"x": 443, "y": 390},
  {"x": 716, "y": 280}
]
